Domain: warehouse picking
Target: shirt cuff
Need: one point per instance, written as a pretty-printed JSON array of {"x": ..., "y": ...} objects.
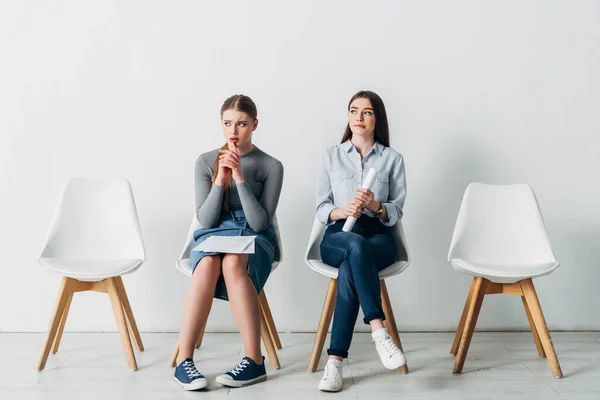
[
  {"x": 393, "y": 214},
  {"x": 323, "y": 213}
]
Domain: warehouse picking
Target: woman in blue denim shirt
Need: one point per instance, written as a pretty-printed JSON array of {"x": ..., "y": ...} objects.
[
  {"x": 368, "y": 248},
  {"x": 237, "y": 191}
]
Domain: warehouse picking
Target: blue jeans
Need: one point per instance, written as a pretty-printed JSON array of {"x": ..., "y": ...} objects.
[{"x": 359, "y": 255}]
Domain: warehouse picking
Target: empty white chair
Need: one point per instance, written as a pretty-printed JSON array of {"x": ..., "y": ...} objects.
[
  {"x": 94, "y": 238},
  {"x": 501, "y": 240},
  {"x": 269, "y": 333},
  {"x": 313, "y": 260}
]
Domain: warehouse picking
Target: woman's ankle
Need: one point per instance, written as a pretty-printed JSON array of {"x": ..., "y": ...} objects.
[
  {"x": 180, "y": 359},
  {"x": 376, "y": 324},
  {"x": 257, "y": 360}
]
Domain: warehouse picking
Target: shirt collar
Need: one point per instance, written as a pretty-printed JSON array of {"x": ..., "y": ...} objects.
[{"x": 347, "y": 146}]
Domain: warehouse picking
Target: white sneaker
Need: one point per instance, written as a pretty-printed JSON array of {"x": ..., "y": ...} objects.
[
  {"x": 332, "y": 380},
  {"x": 390, "y": 354}
]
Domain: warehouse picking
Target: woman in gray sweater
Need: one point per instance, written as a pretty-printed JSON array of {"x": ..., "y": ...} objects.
[{"x": 237, "y": 191}]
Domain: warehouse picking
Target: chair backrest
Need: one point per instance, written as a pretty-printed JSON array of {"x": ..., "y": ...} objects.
[
  {"x": 313, "y": 250},
  {"x": 95, "y": 220},
  {"x": 195, "y": 225},
  {"x": 500, "y": 225}
]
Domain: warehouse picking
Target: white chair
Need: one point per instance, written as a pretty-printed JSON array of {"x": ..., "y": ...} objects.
[
  {"x": 313, "y": 260},
  {"x": 94, "y": 238},
  {"x": 269, "y": 333},
  {"x": 501, "y": 240}
]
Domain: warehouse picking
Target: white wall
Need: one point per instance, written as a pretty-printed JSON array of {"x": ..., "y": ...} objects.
[{"x": 495, "y": 91}]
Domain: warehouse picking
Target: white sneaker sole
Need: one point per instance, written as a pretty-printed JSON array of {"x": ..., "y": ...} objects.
[
  {"x": 329, "y": 389},
  {"x": 232, "y": 383},
  {"x": 195, "y": 385}
]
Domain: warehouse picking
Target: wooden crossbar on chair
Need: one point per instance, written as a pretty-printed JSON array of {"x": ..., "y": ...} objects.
[
  {"x": 268, "y": 333},
  {"x": 327, "y": 314},
  {"x": 121, "y": 308},
  {"x": 479, "y": 288}
]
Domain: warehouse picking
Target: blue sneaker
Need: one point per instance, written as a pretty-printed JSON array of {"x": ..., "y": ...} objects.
[
  {"x": 247, "y": 372},
  {"x": 188, "y": 376}
]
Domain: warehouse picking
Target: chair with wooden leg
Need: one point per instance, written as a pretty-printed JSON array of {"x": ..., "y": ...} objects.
[
  {"x": 313, "y": 260},
  {"x": 93, "y": 240},
  {"x": 269, "y": 334},
  {"x": 500, "y": 239}
]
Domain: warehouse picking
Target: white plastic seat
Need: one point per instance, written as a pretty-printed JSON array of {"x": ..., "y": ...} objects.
[
  {"x": 314, "y": 261},
  {"x": 94, "y": 238},
  {"x": 90, "y": 270},
  {"x": 500, "y": 235},
  {"x": 269, "y": 333},
  {"x": 500, "y": 239},
  {"x": 503, "y": 273}
]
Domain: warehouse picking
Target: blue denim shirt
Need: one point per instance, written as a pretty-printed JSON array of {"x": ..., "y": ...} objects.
[{"x": 342, "y": 172}]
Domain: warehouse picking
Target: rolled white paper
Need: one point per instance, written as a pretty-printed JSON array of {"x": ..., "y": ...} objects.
[{"x": 367, "y": 184}]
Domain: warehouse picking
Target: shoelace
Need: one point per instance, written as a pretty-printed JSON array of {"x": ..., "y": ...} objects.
[
  {"x": 240, "y": 367},
  {"x": 331, "y": 372},
  {"x": 388, "y": 344},
  {"x": 190, "y": 370}
]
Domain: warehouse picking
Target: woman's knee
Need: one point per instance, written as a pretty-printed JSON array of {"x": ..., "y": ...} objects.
[
  {"x": 234, "y": 265},
  {"x": 208, "y": 267},
  {"x": 357, "y": 244}
]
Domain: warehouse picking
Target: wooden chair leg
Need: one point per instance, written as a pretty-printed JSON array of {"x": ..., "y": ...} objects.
[
  {"x": 173, "y": 359},
  {"x": 540, "y": 323},
  {"x": 264, "y": 304},
  {"x": 390, "y": 321},
  {"x": 117, "y": 306},
  {"x": 324, "y": 323},
  {"x": 63, "y": 321},
  {"x": 461, "y": 324},
  {"x": 534, "y": 332},
  {"x": 470, "y": 322},
  {"x": 200, "y": 337},
  {"x": 59, "y": 308},
  {"x": 268, "y": 342},
  {"x": 133, "y": 329}
]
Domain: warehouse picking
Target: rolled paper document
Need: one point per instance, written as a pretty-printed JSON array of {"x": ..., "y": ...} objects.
[{"x": 367, "y": 184}]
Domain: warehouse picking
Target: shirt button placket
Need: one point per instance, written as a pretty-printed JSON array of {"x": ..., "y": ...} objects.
[{"x": 358, "y": 182}]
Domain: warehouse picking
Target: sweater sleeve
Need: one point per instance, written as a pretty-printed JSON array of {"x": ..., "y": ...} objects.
[
  {"x": 209, "y": 199},
  {"x": 260, "y": 212}
]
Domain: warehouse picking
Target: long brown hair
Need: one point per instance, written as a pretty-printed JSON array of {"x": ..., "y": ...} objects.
[
  {"x": 237, "y": 102},
  {"x": 382, "y": 130}
]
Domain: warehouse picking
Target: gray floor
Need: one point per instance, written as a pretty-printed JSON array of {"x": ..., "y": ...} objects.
[{"x": 499, "y": 366}]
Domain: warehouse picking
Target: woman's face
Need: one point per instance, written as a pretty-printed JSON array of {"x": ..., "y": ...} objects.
[
  {"x": 361, "y": 117},
  {"x": 237, "y": 128}
]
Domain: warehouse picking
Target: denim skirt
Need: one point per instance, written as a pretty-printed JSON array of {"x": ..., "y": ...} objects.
[{"x": 234, "y": 223}]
